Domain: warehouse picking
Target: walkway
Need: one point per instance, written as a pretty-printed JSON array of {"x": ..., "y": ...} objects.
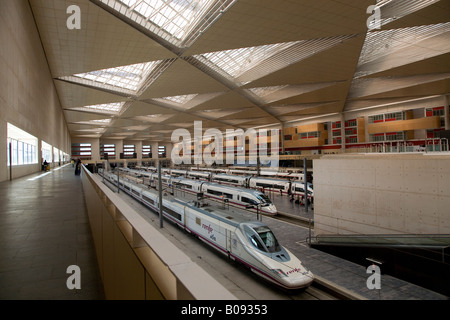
[{"x": 44, "y": 229}]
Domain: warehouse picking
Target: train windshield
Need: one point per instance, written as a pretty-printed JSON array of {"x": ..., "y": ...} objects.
[
  {"x": 268, "y": 238},
  {"x": 262, "y": 238},
  {"x": 264, "y": 199}
]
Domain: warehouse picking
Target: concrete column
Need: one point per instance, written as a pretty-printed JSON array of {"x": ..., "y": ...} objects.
[
  {"x": 138, "y": 150},
  {"x": 4, "y": 174},
  {"x": 155, "y": 150},
  {"x": 447, "y": 113},
  {"x": 95, "y": 147},
  {"x": 343, "y": 132}
]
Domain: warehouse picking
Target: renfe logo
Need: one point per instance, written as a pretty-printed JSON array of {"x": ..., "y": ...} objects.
[
  {"x": 235, "y": 144},
  {"x": 207, "y": 227},
  {"x": 293, "y": 270}
]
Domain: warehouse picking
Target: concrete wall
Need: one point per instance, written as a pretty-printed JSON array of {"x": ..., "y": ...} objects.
[
  {"x": 28, "y": 97},
  {"x": 382, "y": 194}
]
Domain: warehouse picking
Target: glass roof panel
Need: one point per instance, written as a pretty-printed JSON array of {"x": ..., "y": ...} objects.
[
  {"x": 265, "y": 91},
  {"x": 235, "y": 62},
  {"x": 125, "y": 79},
  {"x": 382, "y": 43},
  {"x": 108, "y": 108},
  {"x": 178, "y": 99},
  {"x": 392, "y": 10},
  {"x": 178, "y": 21},
  {"x": 100, "y": 122},
  {"x": 245, "y": 65}
]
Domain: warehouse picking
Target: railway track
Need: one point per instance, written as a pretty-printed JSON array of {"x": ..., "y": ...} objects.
[{"x": 322, "y": 289}]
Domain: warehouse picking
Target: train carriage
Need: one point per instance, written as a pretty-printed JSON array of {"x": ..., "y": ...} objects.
[
  {"x": 241, "y": 181},
  {"x": 206, "y": 176},
  {"x": 270, "y": 184},
  {"x": 251, "y": 200}
]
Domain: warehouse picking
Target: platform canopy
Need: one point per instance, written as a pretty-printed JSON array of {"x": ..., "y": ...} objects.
[{"x": 139, "y": 69}]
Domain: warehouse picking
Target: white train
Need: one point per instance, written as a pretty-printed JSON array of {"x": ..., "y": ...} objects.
[
  {"x": 251, "y": 243},
  {"x": 207, "y": 173},
  {"x": 252, "y": 200},
  {"x": 276, "y": 185},
  {"x": 284, "y": 186},
  {"x": 233, "y": 180},
  {"x": 293, "y": 188}
]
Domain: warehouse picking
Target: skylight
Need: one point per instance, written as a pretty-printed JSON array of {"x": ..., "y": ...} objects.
[
  {"x": 107, "y": 108},
  {"x": 237, "y": 61},
  {"x": 245, "y": 65},
  {"x": 129, "y": 80},
  {"x": 265, "y": 91},
  {"x": 383, "y": 43},
  {"x": 180, "y": 22},
  {"x": 100, "y": 122},
  {"x": 154, "y": 118},
  {"x": 392, "y": 10},
  {"x": 183, "y": 99}
]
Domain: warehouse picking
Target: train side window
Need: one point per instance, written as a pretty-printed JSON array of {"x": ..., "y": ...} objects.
[
  {"x": 148, "y": 199},
  {"x": 247, "y": 200}
]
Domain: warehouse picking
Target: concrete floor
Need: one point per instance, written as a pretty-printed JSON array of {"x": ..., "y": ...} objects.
[{"x": 44, "y": 229}]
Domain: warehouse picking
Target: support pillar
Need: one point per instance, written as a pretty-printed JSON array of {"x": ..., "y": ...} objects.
[
  {"x": 342, "y": 133},
  {"x": 446, "y": 113}
]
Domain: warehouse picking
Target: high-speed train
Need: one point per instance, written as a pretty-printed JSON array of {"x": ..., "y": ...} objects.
[
  {"x": 252, "y": 243},
  {"x": 207, "y": 173},
  {"x": 252, "y": 200},
  {"x": 270, "y": 184},
  {"x": 249, "y": 199},
  {"x": 291, "y": 187}
]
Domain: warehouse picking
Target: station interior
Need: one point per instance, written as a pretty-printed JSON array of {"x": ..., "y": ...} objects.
[{"x": 351, "y": 97}]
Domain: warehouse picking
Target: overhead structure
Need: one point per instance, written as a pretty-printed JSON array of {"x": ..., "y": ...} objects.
[{"x": 140, "y": 69}]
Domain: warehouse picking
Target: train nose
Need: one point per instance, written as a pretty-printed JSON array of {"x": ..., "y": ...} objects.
[{"x": 299, "y": 280}]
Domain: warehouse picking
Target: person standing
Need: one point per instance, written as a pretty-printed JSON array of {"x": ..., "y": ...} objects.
[{"x": 78, "y": 167}]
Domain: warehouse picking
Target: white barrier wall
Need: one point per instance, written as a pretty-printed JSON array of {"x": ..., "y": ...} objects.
[{"x": 382, "y": 194}]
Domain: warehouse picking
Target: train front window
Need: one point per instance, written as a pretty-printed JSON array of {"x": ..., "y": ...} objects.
[
  {"x": 263, "y": 239},
  {"x": 264, "y": 199},
  {"x": 268, "y": 238}
]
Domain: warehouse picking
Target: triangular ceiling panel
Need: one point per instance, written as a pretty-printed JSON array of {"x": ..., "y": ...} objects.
[
  {"x": 182, "y": 79},
  {"x": 73, "y": 95},
  {"x": 103, "y": 41}
]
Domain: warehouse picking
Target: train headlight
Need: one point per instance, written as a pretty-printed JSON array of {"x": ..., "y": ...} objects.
[{"x": 279, "y": 273}]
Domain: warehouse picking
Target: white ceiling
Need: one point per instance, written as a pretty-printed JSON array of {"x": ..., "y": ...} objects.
[{"x": 320, "y": 75}]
